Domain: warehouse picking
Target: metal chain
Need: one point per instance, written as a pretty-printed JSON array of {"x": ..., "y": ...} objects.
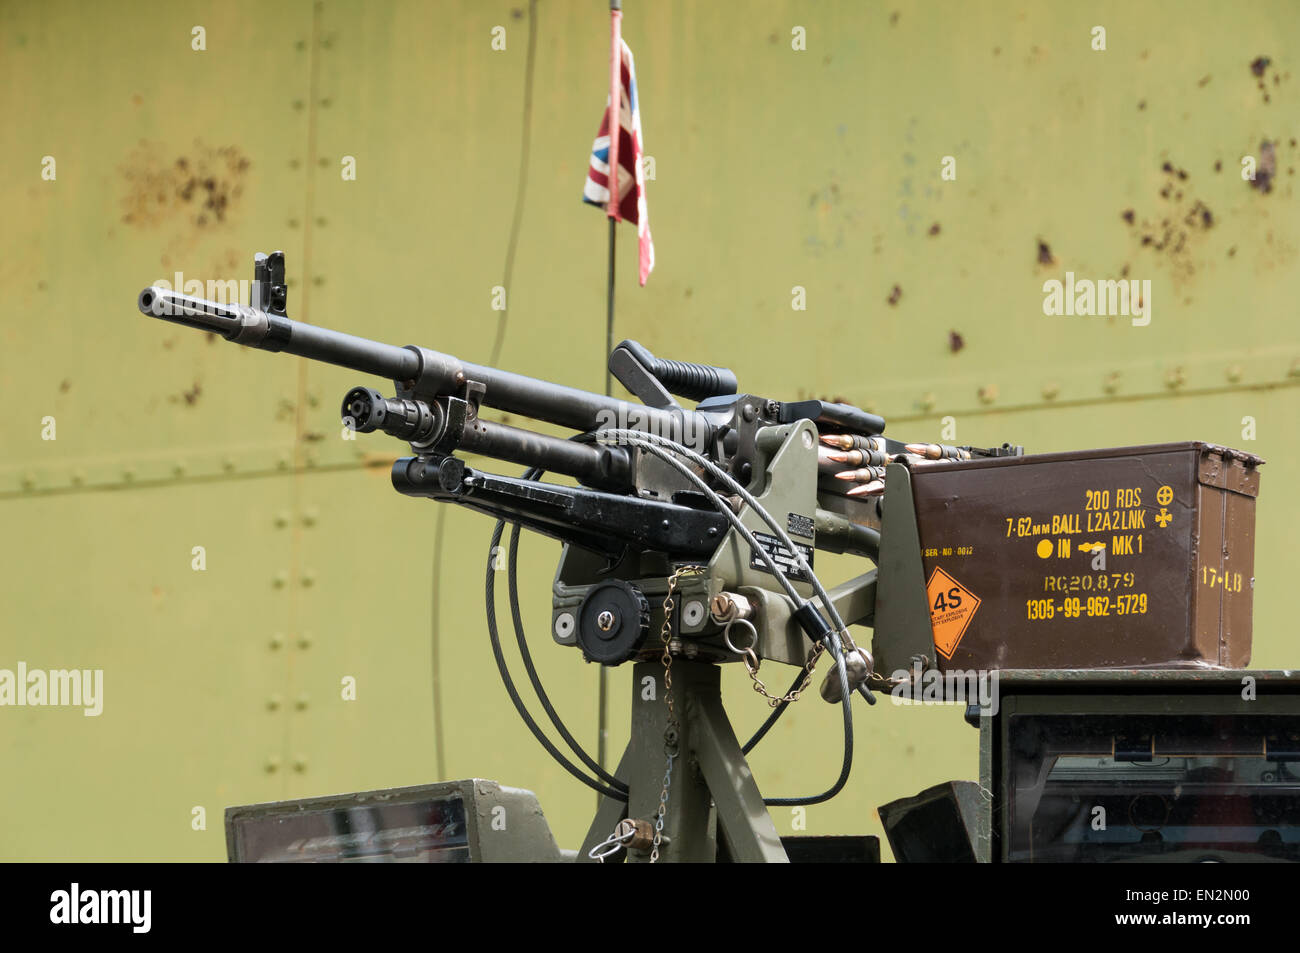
[
  {"x": 671, "y": 732},
  {"x": 752, "y": 663}
]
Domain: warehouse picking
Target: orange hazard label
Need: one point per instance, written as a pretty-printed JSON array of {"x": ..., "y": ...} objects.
[{"x": 952, "y": 606}]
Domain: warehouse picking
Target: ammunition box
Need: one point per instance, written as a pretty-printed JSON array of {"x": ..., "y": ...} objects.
[{"x": 1128, "y": 557}]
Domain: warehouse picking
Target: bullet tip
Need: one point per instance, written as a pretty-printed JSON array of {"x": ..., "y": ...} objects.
[{"x": 874, "y": 488}]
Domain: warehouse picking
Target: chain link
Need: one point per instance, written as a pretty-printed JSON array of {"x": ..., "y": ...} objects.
[
  {"x": 671, "y": 732},
  {"x": 751, "y": 665}
]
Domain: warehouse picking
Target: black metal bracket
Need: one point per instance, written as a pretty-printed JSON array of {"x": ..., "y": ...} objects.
[
  {"x": 269, "y": 292},
  {"x": 605, "y": 523},
  {"x": 902, "y": 631}
]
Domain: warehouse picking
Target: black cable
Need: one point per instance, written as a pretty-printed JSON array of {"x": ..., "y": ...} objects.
[
  {"x": 495, "y": 637},
  {"x": 773, "y": 718},
  {"x": 435, "y": 648},
  {"x": 507, "y": 273},
  {"x": 837, "y": 652},
  {"x": 512, "y": 579}
]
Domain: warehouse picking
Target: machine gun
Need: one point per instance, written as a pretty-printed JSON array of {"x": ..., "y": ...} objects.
[{"x": 689, "y": 541}]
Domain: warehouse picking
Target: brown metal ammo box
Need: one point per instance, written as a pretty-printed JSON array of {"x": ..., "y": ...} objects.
[{"x": 1129, "y": 557}]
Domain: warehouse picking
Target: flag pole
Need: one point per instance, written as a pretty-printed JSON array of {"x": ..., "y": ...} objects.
[{"x": 615, "y": 127}]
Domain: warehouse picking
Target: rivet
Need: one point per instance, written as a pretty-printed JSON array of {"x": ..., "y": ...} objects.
[
  {"x": 178, "y": 469},
  {"x": 295, "y": 163},
  {"x": 282, "y": 519},
  {"x": 298, "y": 104},
  {"x": 313, "y": 400},
  {"x": 318, "y": 280},
  {"x": 322, "y": 162},
  {"x": 29, "y": 481},
  {"x": 1234, "y": 373},
  {"x": 1174, "y": 378},
  {"x": 927, "y": 401},
  {"x": 128, "y": 474},
  {"x": 1111, "y": 383},
  {"x": 310, "y": 515},
  {"x": 277, "y": 642},
  {"x": 301, "y": 702},
  {"x": 228, "y": 464},
  {"x": 273, "y": 703},
  {"x": 280, "y": 579},
  {"x": 321, "y": 221},
  {"x": 78, "y": 477},
  {"x": 308, "y": 579},
  {"x": 300, "y": 764},
  {"x": 1294, "y": 369},
  {"x": 1050, "y": 391},
  {"x": 292, "y": 223},
  {"x": 304, "y": 640},
  {"x": 988, "y": 393},
  {"x": 272, "y": 764},
  {"x": 325, "y": 102},
  {"x": 282, "y": 462}
]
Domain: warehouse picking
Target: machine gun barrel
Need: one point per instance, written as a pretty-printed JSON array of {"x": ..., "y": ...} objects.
[{"x": 428, "y": 371}]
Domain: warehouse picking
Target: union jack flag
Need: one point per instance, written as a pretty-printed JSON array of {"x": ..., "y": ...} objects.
[{"x": 631, "y": 179}]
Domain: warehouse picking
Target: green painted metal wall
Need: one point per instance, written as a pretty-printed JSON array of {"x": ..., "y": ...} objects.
[{"x": 775, "y": 168}]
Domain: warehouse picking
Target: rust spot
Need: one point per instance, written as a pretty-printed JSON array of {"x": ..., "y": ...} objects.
[
  {"x": 1123, "y": 272},
  {"x": 894, "y": 295},
  {"x": 955, "y": 342},
  {"x": 1218, "y": 166},
  {"x": 313, "y": 436},
  {"x": 192, "y": 395},
  {"x": 1142, "y": 104},
  {"x": 64, "y": 386},
  {"x": 934, "y": 229},
  {"x": 1045, "y": 253},
  {"x": 1204, "y": 80},
  {"x": 160, "y": 188},
  {"x": 1127, "y": 215},
  {"x": 136, "y": 99},
  {"x": 1259, "y": 64},
  {"x": 1267, "y": 168}
]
